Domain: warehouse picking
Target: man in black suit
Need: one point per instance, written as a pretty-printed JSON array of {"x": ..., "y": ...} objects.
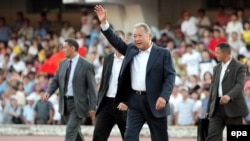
[
  {"x": 77, "y": 89},
  {"x": 145, "y": 82},
  {"x": 226, "y": 103},
  {"x": 108, "y": 112}
]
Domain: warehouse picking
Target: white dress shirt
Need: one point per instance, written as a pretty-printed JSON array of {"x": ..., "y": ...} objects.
[
  {"x": 70, "y": 83},
  {"x": 222, "y": 73},
  {"x": 138, "y": 70},
  {"x": 138, "y": 66},
  {"x": 113, "y": 81}
]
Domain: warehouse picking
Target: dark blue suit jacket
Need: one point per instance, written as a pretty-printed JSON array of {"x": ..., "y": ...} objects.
[{"x": 160, "y": 73}]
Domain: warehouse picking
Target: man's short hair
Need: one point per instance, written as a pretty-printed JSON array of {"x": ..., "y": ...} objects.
[
  {"x": 72, "y": 42},
  {"x": 145, "y": 26},
  {"x": 225, "y": 47}
]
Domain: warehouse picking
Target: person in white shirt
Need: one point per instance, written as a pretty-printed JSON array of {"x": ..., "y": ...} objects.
[
  {"x": 234, "y": 26},
  {"x": 189, "y": 27},
  {"x": 145, "y": 82},
  {"x": 185, "y": 109},
  {"x": 108, "y": 112},
  {"x": 190, "y": 61}
]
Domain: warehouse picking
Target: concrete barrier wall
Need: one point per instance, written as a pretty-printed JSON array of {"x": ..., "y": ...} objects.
[{"x": 54, "y": 130}]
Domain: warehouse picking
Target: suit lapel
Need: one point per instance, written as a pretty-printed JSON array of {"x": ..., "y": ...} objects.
[
  {"x": 217, "y": 81},
  {"x": 134, "y": 51},
  {"x": 78, "y": 67},
  {"x": 152, "y": 58},
  {"x": 110, "y": 65},
  {"x": 64, "y": 68},
  {"x": 230, "y": 66}
]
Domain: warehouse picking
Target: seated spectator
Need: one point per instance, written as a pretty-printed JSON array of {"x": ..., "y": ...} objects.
[
  {"x": 221, "y": 17},
  {"x": 14, "y": 111},
  {"x": 204, "y": 101},
  {"x": 189, "y": 27},
  {"x": 234, "y": 26},
  {"x": 190, "y": 61},
  {"x": 246, "y": 33},
  {"x": 203, "y": 21},
  {"x": 245, "y": 51},
  {"x": 175, "y": 98},
  {"x": 43, "y": 111},
  {"x": 236, "y": 44},
  {"x": 4, "y": 30},
  {"x": 26, "y": 30},
  {"x": 216, "y": 39},
  {"x": 40, "y": 31},
  {"x": 28, "y": 111},
  {"x": 185, "y": 111},
  {"x": 206, "y": 64}
]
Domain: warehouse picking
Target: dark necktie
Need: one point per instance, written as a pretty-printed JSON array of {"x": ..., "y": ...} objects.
[{"x": 67, "y": 77}]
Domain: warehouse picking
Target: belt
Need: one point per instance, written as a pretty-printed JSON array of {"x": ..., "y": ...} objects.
[
  {"x": 69, "y": 97},
  {"x": 139, "y": 92}
]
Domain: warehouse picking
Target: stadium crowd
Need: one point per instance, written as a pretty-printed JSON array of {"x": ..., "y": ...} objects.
[{"x": 25, "y": 48}]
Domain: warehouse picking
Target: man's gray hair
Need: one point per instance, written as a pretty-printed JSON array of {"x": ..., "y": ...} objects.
[{"x": 143, "y": 25}]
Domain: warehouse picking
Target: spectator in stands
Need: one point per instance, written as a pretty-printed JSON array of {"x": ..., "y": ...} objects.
[
  {"x": 4, "y": 30},
  {"x": 28, "y": 84},
  {"x": 45, "y": 23},
  {"x": 28, "y": 111},
  {"x": 189, "y": 27},
  {"x": 193, "y": 84},
  {"x": 216, "y": 39},
  {"x": 246, "y": 33},
  {"x": 57, "y": 24},
  {"x": 204, "y": 102},
  {"x": 80, "y": 38},
  {"x": 19, "y": 21},
  {"x": 221, "y": 17},
  {"x": 203, "y": 21},
  {"x": 206, "y": 37},
  {"x": 43, "y": 111},
  {"x": 175, "y": 98},
  {"x": 236, "y": 44},
  {"x": 14, "y": 111},
  {"x": 40, "y": 31},
  {"x": 241, "y": 15},
  {"x": 3, "y": 83},
  {"x": 190, "y": 61},
  {"x": 184, "y": 111},
  {"x": 18, "y": 64},
  {"x": 86, "y": 22},
  {"x": 234, "y": 25},
  {"x": 26, "y": 30},
  {"x": 21, "y": 96},
  {"x": 206, "y": 64},
  {"x": 245, "y": 51},
  {"x": 195, "y": 96},
  {"x": 66, "y": 31},
  {"x": 168, "y": 30}
]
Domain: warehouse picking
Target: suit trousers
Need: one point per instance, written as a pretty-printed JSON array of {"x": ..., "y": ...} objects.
[
  {"x": 218, "y": 122},
  {"x": 107, "y": 117},
  {"x": 73, "y": 130},
  {"x": 139, "y": 112}
]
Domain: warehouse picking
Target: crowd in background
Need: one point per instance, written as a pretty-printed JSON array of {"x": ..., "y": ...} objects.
[{"x": 24, "y": 48}]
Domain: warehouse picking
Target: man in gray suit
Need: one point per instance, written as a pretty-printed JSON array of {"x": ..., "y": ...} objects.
[
  {"x": 226, "y": 103},
  {"x": 77, "y": 87}
]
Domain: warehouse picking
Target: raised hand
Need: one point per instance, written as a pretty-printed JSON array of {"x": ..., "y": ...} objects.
[{"x": 101, "y": 13}]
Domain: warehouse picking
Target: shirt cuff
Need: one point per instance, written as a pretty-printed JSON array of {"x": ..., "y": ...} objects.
[{"x": 105, "y": 26}]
